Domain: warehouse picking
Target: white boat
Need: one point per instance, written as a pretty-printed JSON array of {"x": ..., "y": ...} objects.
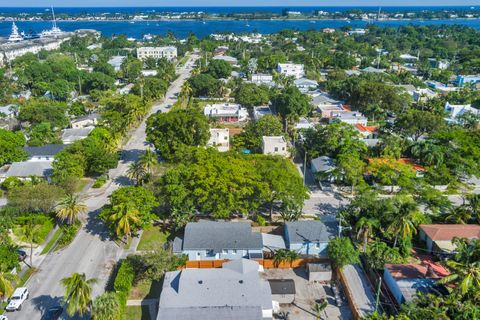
[
  {"x": 54, "y": 32},
  {"x": 15, "y": 36}
]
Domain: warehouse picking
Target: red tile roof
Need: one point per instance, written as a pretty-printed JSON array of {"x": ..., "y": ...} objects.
[
  {"x": 439, "y": 232},
  {"x": 426, "y": 270},
  {"x": 363, "y": 128}
]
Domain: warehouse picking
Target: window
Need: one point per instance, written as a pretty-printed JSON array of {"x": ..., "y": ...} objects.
[
  {"x": 198, "y": 254},
  {"x": 276, "y": 149},
  {"x": 234, "y": 251},
  {"x": 317, "y": 245},
  {"x": 224, "y": 251}
]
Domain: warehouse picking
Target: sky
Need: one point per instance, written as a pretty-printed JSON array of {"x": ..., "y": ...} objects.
[{"x": 163, "y": 3}]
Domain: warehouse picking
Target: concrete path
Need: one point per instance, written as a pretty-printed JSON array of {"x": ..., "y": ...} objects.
[{"x": 151, "y": 303}]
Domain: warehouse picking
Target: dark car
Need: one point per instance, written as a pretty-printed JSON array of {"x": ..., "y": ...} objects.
[
  {"x": 53, "y": 313},
  {"x": 22, "y": 255}
]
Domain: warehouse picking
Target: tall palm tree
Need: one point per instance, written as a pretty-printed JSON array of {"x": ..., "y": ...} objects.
[
  {"x": 78, "y": 294},
  {"x": 404, "y": 225},
  {"x": 459, "y": 215},
  {"x": 136, "y": 172},
  {"x": 148, "y": 160},
  {"x": 124, "y": 216},
  {"x": 365, "y": 226},
  {"x": 70, "y": 208},
  {"x": 30, "y": 232},
  {"x": 186, "y": 90},
  {"x": 7, "y": 281}
]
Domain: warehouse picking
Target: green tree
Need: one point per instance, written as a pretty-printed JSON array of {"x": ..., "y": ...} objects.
[
  {"x": 250, "y": 95},
  {"x": 341, "y": 252},
  {"x": 7, "y": 281},
  {"x": 8, "y": 257},
  {"x": 176, "y": 129},
  {"x": 78, "y": 294},
  {"x": 106, "y": 307},
  {"x": 42, "y": 134},
  {"x": 148, "y": 160},
  {"x": 282, "y": 255},
  {"x": 40, "y": 197},
  {"x": 136, "y": 172},
  {"x": 416, "y": 123},
  {"x": 291, "y": 104},
  {"x": 97, "y": 81},
  {"x": 350, "y": 168},
  {"x": 364, "y": 228},
  {"x": 123, "y": 218},
  {"x": 37, "y": 111},
  {"x": 131, "y": 69},
  {"x": 68, "y": 165},
  {"x": 203, "y": 85},
  {"x": 251, "y": 137},
  {"x": 219, "y": 69},
  {"x": 11, "y": 144},
  {"x": 408, "y": 217},
  {"x": 70, "y": 208}
]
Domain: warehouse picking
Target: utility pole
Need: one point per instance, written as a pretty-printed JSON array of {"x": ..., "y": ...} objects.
[{"x": 304, "y": 167}]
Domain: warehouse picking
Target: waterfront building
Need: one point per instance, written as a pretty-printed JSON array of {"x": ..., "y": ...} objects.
[{"x": 169, "y": 52}]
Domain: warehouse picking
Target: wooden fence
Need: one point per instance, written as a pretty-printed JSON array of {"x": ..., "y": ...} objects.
[{"x": 266, "y": 263}]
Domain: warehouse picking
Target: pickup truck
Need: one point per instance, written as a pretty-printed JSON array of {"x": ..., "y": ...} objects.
[{"x": 17, "y": 298}]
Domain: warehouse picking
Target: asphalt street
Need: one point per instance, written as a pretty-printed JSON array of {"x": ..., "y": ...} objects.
[{"x": 92, "y": 252}]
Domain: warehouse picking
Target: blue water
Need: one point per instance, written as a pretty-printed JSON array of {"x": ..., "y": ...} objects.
[
  {"x": 182, "y": 28},
  {"x": 202, "y": 29}
]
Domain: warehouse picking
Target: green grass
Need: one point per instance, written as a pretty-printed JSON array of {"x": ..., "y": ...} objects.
[
  {"x": 82, "y": 183},
  {"x": 69, "y": 232},
  {"x": 152, "y": 238},
  {"x": 52, "y": 241},
  {"x": 145, "y": 289},
  {"x": 137, "y": 313},
  {"x": 26, "y": 276}
]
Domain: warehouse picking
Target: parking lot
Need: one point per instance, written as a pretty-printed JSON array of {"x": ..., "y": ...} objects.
[{"x": 307, "y": 293}]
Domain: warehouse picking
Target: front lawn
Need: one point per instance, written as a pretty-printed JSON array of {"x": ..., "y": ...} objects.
[
  {"x": 152, "y": 238},
  {"x": 137, "y": 313}
]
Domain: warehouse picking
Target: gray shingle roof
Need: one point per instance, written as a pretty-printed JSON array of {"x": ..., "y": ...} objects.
[
  {"x": 322, "y": 164},
  {"x": 223, "y": 313},
  {"x": 237, "y": 284},
  {"x": 221, "y": 235},
  {"x": 307, "y": 231},
  {"x": 30, "y": 168},
  {"x": 46, "y": 150}
]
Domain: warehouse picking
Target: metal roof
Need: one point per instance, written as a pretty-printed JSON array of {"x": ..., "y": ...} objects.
[
  {"x": 46, "y": 150},
  {"x": 30, "y": 168}
]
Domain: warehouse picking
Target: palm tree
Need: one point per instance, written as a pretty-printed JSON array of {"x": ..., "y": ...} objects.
[
  {"x": 7, "y": 281},
  {"x": 148, "y": 160},
  {"x": 284, "y": 255},
  {"x": 459, "y": 215},
  {"x": 319, "y": 308},
  {"x": 404, "y": 225},
  {"x": 70, "y": 208},
  {"x": 123, "y": 217},
  {"x": 365, "y": 226},
  {"x": 78, "y": 294},
  {"x": 106, "y": 307},
  {"x": 465, "y": 267},
  {"x": 30, "y": 232},
  {"x": 186, "y": 90},
  {"x": 136, "y": 172}
]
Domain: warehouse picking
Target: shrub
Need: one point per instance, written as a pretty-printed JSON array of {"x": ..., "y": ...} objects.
[
  {"x": 124, "y": 281},
  {"x": 341, "y": 252},
  {"x": 69, "y": 231},
  {"x": 261, "y": 221},
  {"x": 100, "y": 181}
]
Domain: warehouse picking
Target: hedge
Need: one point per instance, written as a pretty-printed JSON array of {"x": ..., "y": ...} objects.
[{"x": 123, "y": 282}]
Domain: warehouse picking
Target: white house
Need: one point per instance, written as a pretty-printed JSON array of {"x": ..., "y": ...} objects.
[
  {"x": 291, "y": 70},
  {"x": 169, "y": 52},
  {"x": 350, "y": 117},
  {"x": 44, "y": 153},
  {"x": 226, "y": 112},
  {"x": 85, "y": 121},
  {"x": 275, "y": 145},
  {"x": 455, "y": 111},
  {"x": 230, "y": 60},
  {"x": 234, "y": 291},
  {"x": 74, "y": 134},
  {"x": 220, "y": 139},
  {"x": 304, "y": 84},
  {"x": 9, "y": 111},
  {"x": 116, "y": 62},
  {"x": 259, "y": 78}
]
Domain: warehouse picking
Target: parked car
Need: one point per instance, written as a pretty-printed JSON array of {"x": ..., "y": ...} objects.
[
  {"x": 17, "y": 298},
  {"x": 3, "y": 317},
  {"x": 22, "y": 255},
  {"x": 53, "y": 313}
]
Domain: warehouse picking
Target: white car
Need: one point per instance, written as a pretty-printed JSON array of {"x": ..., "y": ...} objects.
[
  {"x": 17, "y": 298},
  {"x": 3, "y": 317}
]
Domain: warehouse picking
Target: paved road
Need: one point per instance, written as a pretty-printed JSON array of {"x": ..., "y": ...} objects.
[{"x": 92, "y": 252}]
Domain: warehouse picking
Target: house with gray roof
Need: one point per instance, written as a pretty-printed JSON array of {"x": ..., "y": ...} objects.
[
  {"x": 233, "y": 292},
  {"x": 85, "y": 121},
  {"x": 308, "y": 237},
  {"x": 43, "y": 153},
  {"x": 211, "y": 240},
  {"x": 26, "y": 169},
  {"x": 73, "y": 134}
]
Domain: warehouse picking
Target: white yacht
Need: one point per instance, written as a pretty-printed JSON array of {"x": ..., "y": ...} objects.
[
  {"x": 15, "y": 36},
  {"x": 54, "y": 32}
]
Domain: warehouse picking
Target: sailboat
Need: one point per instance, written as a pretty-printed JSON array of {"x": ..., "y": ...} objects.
[{"x": 55, "y": 31}]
